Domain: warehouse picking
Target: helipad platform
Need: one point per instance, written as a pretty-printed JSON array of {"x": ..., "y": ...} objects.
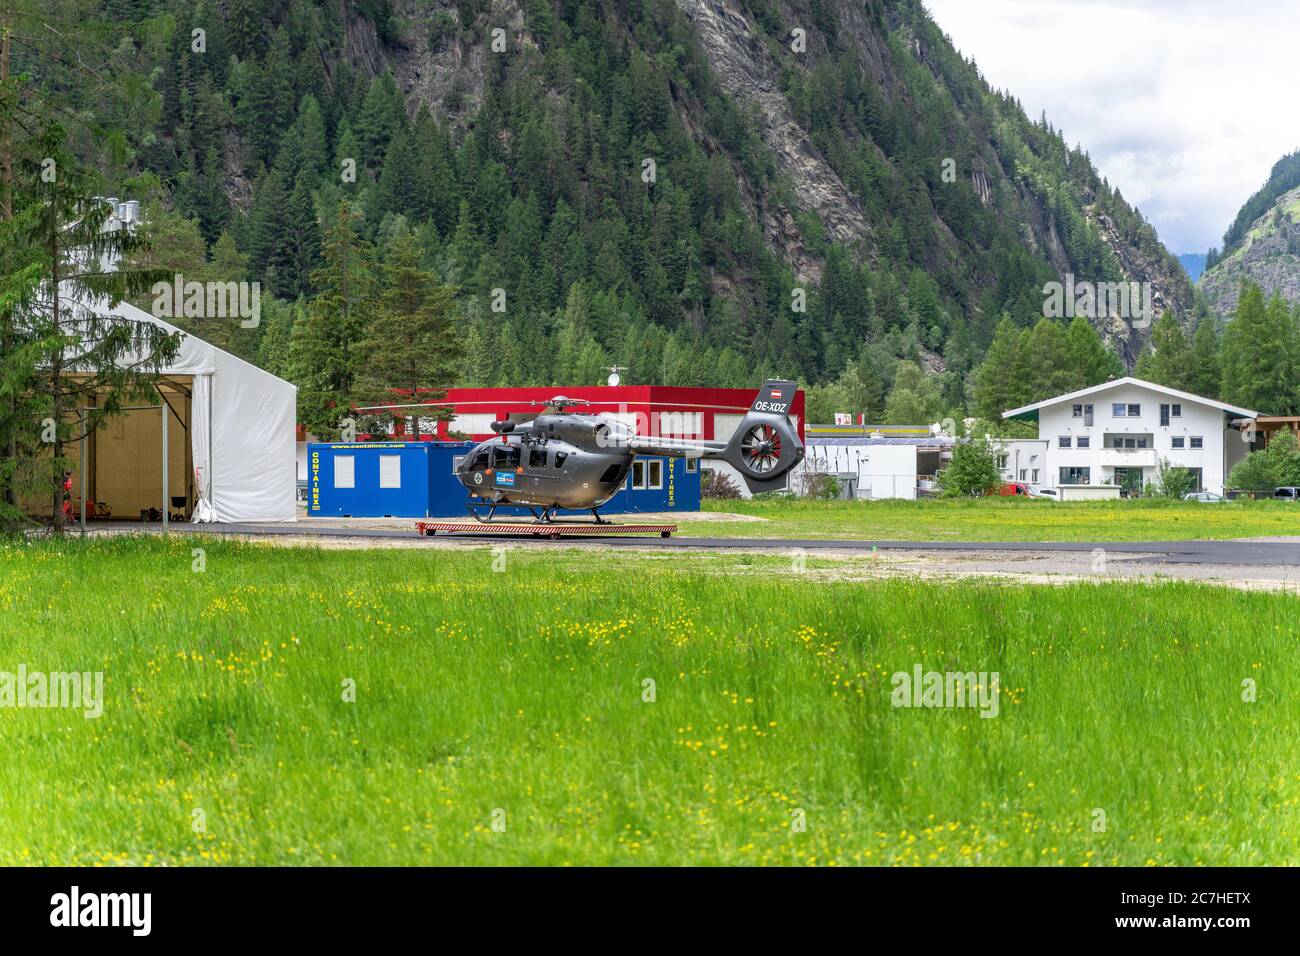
[{"x": 553, "y": 529}]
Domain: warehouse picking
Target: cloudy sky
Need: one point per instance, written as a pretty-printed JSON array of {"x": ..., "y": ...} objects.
[{"x": 1183, "y": 104}]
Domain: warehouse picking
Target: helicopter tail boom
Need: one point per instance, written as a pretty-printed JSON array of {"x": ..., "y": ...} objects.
[{"x": 764, "y": 447}]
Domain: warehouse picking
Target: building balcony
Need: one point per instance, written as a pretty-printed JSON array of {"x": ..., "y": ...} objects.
[{"x": 1128, "y": 457}]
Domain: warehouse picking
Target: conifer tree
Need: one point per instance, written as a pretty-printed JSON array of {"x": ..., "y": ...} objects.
[
  {"x": 1257, "y": 354},
  {"x": 1170, "y": 360},
  {"x": 413, "y": 342},
  {"x": 323, "y": 354}
]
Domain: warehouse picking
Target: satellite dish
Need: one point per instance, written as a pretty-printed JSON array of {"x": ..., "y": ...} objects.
[{"x": 613, "y": 379}]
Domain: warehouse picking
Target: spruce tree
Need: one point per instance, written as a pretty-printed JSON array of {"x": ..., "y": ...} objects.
[
  {"x": 323, "y": 355},
  {"x": 1257, "y": 354},
  {"x": 1206, "y": 375},
  {"x": 412, "y": 343},
  {"x": 1170, "y": 360}
]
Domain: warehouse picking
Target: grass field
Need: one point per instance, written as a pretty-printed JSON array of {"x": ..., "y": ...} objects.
[
  {"x": 517, "y": 697},
  {"x": 1003, "y": 519}
]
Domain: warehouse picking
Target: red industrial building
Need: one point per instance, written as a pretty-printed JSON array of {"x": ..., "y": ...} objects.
[{"x": 658, "y": 410}]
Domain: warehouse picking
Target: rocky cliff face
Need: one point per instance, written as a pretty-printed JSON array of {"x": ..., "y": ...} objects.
[
  {"x": 1268, "y": 255},
  {"x": 886, "y": 41},
  {"x": 750, "y": 75}
]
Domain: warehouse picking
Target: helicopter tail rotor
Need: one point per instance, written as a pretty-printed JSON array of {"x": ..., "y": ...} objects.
[{"x": 766, "y": 445}]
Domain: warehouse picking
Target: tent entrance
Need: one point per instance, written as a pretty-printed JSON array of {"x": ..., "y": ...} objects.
[{"x": 123, "y": 461}]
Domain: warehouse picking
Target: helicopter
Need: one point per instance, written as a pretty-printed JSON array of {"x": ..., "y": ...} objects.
[{"x": 579, "y": 461}]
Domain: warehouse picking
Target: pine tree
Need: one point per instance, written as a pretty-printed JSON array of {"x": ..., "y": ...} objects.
[
  {"x": 1206, "y": 375},
  {"x": 297, "y": 255},
  {"x": 1170, "y": 360},
  {"x": 412, "y": 342},
  {"x": 92, "y": 360},
  {"x": 1052, "y": 370},
  {"x": 323, "y": 355},
  {"x": 1094, "y": 362},
  {"x": 1257, "y": 356},
  {"x": 996, "y": 387}
]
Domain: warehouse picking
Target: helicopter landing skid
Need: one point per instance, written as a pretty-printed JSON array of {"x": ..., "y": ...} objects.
[
  {"x": 553, "y": 529},
  {"x": 544, "y": 516}
]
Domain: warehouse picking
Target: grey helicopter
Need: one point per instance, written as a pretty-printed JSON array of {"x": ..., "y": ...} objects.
[{"x": 575, "y": 461}]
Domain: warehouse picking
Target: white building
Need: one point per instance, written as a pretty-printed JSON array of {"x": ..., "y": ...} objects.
[
  {"x": 872, "y": 466},
  {"x": 1117, "y": 433}
]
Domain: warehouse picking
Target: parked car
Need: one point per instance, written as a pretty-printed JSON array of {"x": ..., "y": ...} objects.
[
  {"x": 1012, "y": 488},
  {"x": 1049, "y": 493},
  {"x": 1203, "y": 496},
  {"x": 1290, "y": 493}
]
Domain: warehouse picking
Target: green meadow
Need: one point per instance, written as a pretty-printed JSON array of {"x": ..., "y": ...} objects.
[
  {"x": 270, "y": 705},
  {"x": 1002, "y": 519}
]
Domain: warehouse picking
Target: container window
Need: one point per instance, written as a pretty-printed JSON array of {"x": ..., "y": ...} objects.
[
  {"x": 345, "y": 471},
  {"x": 390, "y": 471}
]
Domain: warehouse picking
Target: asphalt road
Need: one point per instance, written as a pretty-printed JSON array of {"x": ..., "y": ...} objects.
[{"x": 1239, "y": 553}]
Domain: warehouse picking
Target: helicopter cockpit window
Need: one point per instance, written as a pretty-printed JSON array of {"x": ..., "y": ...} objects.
[
  {"x": 505, "y": 456},
  {"x": 480, "y": 461},
  {"x": 559, "y": 458},
  {"x": 537, "y": 458}
]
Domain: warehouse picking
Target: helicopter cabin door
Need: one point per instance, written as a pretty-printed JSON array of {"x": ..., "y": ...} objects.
[{"x": 505, "y": 467}]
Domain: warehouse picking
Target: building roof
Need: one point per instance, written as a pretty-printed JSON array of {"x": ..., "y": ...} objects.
[
  {"x": 889, "y": 431},
  {"x": 1029, "y": 413},
  {"x": 935, "y": 441}
]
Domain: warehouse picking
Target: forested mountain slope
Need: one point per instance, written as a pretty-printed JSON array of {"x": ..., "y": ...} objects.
[
  {"x": 702, "y": 190},
  {"x": 1263, "y": 243}
]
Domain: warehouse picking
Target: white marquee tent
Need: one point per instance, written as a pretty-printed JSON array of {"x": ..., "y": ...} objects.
[{"x": 241, "y": 431}]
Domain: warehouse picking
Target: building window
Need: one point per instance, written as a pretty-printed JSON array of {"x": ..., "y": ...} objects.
[
  {"x": 1118, "y": 410},
  {"x": 1135, "y": 411},
  {"x": 1075, "y": 476},
  {"x": 654, "y": 474},
  {"x": 1078, "y": 411},
  {"x": 390, "y": 471},
  {"x": 1063, "y": 441},
  {"x": 345, "y": 471},
  {"x": 1082, "y": 442},
  {"x": 1002, "y": 462},
  {"x": 1164, "y": 416},
  {"x": 1197, "y": 441},
  {"x": 1176, "y": 411},
  {"x": 1035, "y": 478},
  {"x": 473, "y": 424},
  {"x": 1177, "y": 441},
  {"x": 687, "y": 424},
  {"x": 1023, "y": 472}
]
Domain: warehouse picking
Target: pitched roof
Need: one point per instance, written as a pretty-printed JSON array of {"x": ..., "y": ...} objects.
[{"x": 1031, "y": 411}]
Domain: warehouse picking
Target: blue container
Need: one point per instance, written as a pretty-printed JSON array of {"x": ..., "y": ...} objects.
[{"x": 417, "y": 480}]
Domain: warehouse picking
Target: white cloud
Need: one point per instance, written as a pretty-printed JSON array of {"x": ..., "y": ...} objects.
[{"x": 1184, "y": 105}]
